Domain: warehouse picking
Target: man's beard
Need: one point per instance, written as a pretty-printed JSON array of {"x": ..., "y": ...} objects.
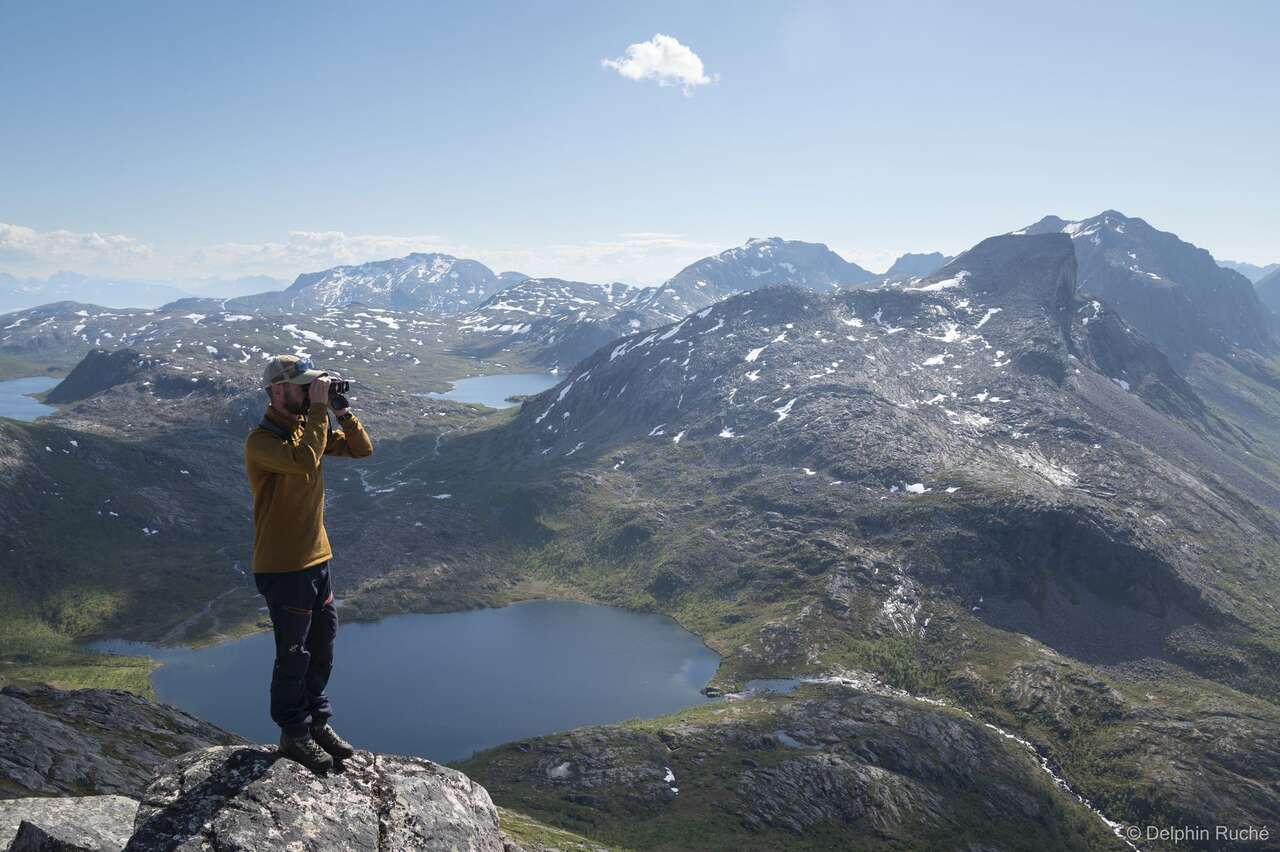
[{"x": 295, "y": 407}]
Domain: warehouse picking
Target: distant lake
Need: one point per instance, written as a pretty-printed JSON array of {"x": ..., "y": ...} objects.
[
  {"x": 15, "y": 402},
  {"x": 494, "y": 390},
  {"x": 444, "y": 685}
]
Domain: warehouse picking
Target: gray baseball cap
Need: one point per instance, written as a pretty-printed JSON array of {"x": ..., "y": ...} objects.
[{"x": 290, "y": 368}]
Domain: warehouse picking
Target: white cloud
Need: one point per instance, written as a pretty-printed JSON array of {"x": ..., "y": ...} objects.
[
  {"x": 647, "y": 258},
  {"x": 664, "y": 59},
  {"x": 644, "y": 258},
  {"x": 309, "y": 251},
  {"x": 30, "y": 249}
]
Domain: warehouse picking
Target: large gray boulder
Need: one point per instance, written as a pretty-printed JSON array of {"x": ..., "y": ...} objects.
[
  {"x": 61, "y": 742},
  {"x": 83, "y": 822},
  {"x": 249, "y": 798}
]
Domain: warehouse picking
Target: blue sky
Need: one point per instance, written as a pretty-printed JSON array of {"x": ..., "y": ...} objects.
[{"x": 187, "y": 140}]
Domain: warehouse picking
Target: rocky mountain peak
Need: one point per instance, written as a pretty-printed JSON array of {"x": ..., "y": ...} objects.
[
  {"x": 425, "y": 281},
  {"x": 915, "y": 264},
  {"x": 1171, "y": 290},
  {"x": 758, "y": 263}
]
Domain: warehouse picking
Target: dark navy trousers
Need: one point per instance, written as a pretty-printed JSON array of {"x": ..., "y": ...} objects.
[{"x": 305, "y": 623}]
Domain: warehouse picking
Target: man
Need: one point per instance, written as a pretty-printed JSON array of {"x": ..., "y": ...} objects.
[{"x": 291, "y": 552}]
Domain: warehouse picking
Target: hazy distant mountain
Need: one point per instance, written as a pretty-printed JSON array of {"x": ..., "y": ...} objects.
[
  {"x": 21, "y": 293},
  {"x": 1172, "y": 291},
  {"x": 1251, "y": 271},
  {"x": 438, "y": 283},
  {"x": 914, "y": 266},
  {"x": 749, "y": 267},
  {"x": 1268, "y": 288}
]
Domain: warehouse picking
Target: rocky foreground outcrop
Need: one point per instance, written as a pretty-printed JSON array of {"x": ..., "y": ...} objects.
[
  {"x": 250, "y": 798},
  {"x": 98, "y": 769}
]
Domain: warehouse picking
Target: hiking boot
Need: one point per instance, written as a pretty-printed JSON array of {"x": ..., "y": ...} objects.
[
  {"x": 304, "y": 750},
  {"x": 327, "y": 738}
]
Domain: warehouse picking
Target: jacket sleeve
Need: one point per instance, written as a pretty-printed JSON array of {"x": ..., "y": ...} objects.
[
  {"x": 280, "y": 457},
  {"x": 351, "y": 440}
]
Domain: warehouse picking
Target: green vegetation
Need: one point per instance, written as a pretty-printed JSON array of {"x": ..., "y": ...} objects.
[
  {"x": 32, "y": 651},
  {"x": 533, "y": 835}
]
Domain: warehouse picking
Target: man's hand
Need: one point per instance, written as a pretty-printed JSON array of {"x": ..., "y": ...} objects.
[{"x": 319, "y": 391}]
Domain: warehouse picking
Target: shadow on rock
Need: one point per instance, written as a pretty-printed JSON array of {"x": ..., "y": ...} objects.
[{"x": 183, "y": 816}]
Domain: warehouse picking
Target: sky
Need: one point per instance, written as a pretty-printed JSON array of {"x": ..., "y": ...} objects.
[{"x": 599, "y": 141}]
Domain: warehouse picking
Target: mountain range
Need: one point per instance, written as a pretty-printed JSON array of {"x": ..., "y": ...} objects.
[
  {"x": 981, "y": 494},
  {"x": 438, "y": 283}
]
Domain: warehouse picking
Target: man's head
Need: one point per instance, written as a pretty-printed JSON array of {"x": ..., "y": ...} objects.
[{"x": 285, "y": 378}]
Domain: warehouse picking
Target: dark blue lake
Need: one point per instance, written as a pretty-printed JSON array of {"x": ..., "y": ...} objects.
[
  {"x": 444, "y": 685},
  {"x": 494, "y": 390},
  {"x": 15, "y": 402}
]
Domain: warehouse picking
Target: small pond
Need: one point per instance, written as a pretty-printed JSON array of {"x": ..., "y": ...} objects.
[{"x": 494, "y": 390}]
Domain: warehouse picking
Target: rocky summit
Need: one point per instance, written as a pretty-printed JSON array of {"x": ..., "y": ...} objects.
[
  {"x": 103, "y": 770},
  {"x": 249, "y": 798}
]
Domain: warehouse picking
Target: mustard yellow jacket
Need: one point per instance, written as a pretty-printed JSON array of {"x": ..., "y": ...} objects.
[{"x": 287, "y": 481}]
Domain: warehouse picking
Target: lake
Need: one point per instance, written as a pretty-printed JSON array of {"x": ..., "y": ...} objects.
[
  {"x": 444, "y": 685},
  {"x": 15, "y": 402},
  {"x": 494, "y": 390}
]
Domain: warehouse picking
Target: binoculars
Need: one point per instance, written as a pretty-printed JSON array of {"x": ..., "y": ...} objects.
[{"x": 338, "y": 389}]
